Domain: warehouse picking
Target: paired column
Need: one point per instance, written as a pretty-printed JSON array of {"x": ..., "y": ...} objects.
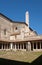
[
  {"x": 20, "y": 46},
  {"x": 36, "y": 46},
  {"x": 23, "y": 46},
  {"x": 40, "y": 45},
  {"x": 33, "y": 45},
  {"x": 15, "y": 46},
  {"x": 2, "y": 46},
  {"x": 11, "y": 46},
  {"x": 7, "y": 46}
]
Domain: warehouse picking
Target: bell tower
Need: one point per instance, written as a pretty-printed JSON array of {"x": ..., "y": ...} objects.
[
  {"x": 27, "y": 21},
  {"x": 27, "y": 18}
]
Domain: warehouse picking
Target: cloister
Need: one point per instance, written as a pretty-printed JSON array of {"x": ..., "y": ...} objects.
[{"x": 24, "y": 46}]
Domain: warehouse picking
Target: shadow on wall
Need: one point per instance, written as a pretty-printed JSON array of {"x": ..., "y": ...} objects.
[{"x": 3, "y": 61}]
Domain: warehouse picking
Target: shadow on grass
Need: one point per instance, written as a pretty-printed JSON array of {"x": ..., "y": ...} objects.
[
  {"x": 37, "y": 61},
  {"x": 11, "y": 62}
]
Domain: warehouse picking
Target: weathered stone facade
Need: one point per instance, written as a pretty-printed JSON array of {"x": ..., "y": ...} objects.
[{"x": 18, "y": 36}]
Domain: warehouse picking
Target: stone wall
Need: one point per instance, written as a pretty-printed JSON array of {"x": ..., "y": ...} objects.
[
  {"x": 5, "y": 24},
  {"x": 11, "y": 27}
]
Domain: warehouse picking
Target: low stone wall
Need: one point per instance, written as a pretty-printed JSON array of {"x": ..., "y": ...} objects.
[{"x": 37, "y": 49}]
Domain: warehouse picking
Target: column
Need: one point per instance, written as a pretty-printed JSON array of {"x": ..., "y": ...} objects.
[
  {"x": 2, "y": 46},
  {"x": 36, "y": 46},
  {"x": 11, "y": 45},
  {"x": 33, "y": 44},
  {"x": 20, "y": 46},
  {"x": 40, "y": 45},
  {"x": 23, "y": 45},
  {"x": 28, "y": 46},
  {"x": 15, "y": 46},
  {"x": 7, "y": 45}
]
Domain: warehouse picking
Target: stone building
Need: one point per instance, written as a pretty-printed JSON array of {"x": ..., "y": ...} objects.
[{"x": 16, "y": 35}]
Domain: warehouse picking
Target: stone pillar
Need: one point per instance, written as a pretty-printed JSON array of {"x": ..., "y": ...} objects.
[
  {"x": 36, "y": 45},
  {"x": 20, "y": 46},
  {"x": 2, "y": 46},
  {"x": 7, "y": 46},
  {"x": 23, "y": 45},
  {"x": 11, "y": 45},
  {"x": 28, "y": 46},
  {"x": 33, "y": 44},
  {"x": 40, "y": 45},
  {"x": 15, "y": 46}
]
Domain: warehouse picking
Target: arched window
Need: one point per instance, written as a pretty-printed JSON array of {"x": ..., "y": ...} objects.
[{"x": 4, "y": 31}]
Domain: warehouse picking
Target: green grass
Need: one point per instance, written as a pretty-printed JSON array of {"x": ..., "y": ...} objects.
[
  {"x": 20, "y": 55},
  {"x": 2, "y": 52}
]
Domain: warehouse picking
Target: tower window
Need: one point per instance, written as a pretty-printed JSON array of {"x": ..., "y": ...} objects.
[
  {"x": 29, "y": 33},
  {"x": 4, "y": 31},
  {"x": 16, "y": 28}
]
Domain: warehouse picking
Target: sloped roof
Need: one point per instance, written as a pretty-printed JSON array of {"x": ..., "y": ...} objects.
[
  {"x": 15, "y": 21},
  {"x": 12, "y": 20}
]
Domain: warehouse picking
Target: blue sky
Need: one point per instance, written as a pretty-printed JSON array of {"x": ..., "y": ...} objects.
[{"x": 15, "y": 10}]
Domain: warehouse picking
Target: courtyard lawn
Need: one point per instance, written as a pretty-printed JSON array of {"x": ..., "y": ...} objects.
[
  {"x": 20, "y": 55},
  {"x": 2, "y": 52}
]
